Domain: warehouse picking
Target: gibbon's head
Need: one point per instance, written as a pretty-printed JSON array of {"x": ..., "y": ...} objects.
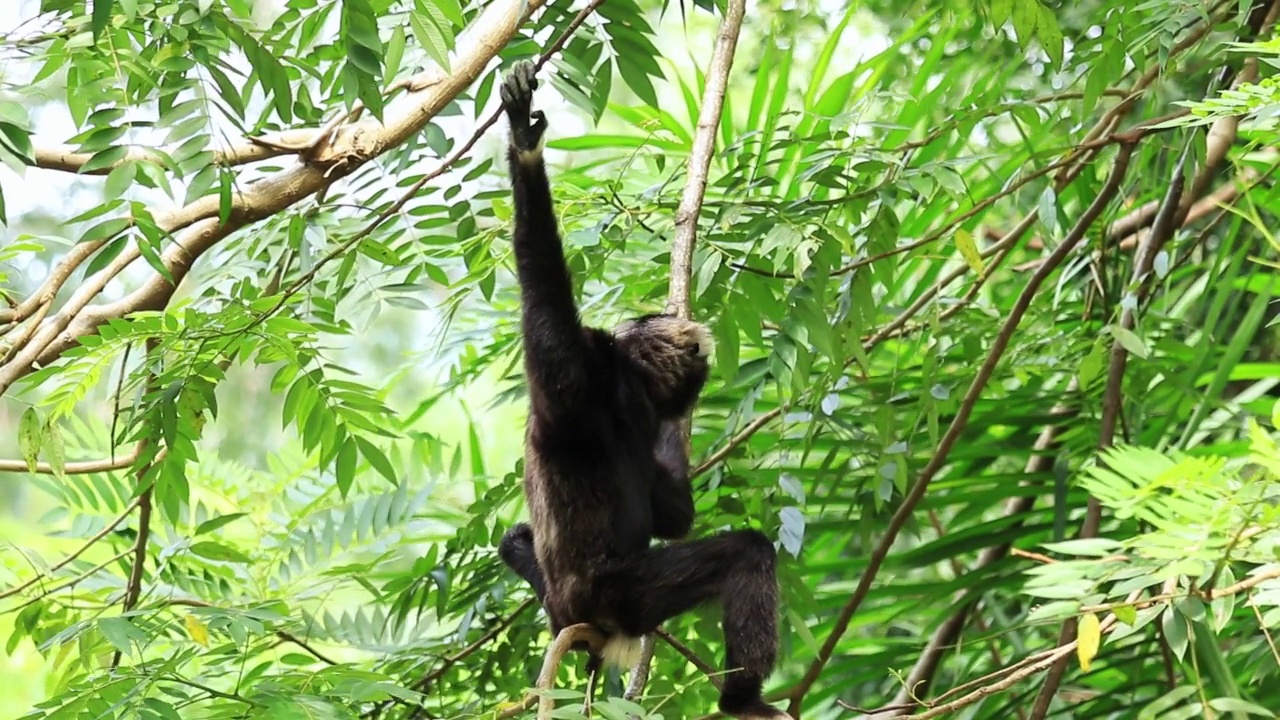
[{"x": 673, "y": 355}]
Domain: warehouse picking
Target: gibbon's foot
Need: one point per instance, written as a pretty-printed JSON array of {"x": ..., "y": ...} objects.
[{"x": 527, "y": 125}]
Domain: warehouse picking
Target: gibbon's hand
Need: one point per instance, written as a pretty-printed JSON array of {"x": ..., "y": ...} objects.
[{"x": 527, "y": 125}]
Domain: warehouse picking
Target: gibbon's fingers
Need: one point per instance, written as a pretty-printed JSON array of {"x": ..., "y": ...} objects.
[{"x": 582, "y": 632}]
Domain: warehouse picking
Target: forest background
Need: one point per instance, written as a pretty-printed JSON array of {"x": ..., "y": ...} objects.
[{"x": 992, "y": 285}]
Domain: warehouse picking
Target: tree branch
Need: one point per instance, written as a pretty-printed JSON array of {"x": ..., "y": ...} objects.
[
  {"x": 1105, "y": 195},
  {"x": 111, "y": 526},
  {"x": 948, "y": 633},
  {"x": 704, "y": 142},
  {"x": 351, "y": 147},
  {"x": 64, "y": 158}
]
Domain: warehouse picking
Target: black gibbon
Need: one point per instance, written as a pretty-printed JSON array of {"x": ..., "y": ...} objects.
[{"x": 605, "y": 468}]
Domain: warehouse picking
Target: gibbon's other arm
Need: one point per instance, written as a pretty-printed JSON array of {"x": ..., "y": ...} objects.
[
  {"x": 672, "y": 493},
  {"x": 554, "y": 341},
  {"x": 516, "y": 550}
]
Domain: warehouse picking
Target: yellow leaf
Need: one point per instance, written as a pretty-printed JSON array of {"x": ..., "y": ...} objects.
[
  {"x": 196, "y": 630},
  {"x": 1088, "y": 638},
  {"x": 969, "y": 251}
]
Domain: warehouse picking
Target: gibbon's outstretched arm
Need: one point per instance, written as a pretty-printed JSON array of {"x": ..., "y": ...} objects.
[{"x": 554, "y": 341}]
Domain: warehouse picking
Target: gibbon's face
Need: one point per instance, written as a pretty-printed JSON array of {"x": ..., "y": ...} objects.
[{"x": 673, "y": 353}]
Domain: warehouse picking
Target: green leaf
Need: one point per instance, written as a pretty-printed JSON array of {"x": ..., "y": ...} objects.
[
  {"x": 1025, "y": 14},
  {"x": 1050, "y": 35},
  {"x": 55, "y": 450},
  {"x": 1129, "y": 341},
  {"x": 121, "y": 633},
  {"x": 214, "y": 523},
  {"x": 211, "y": 550},
  {"x": 1001, "y": 11},
  {"x": 1126, "y": 614},
  {"x": 378, "y": 460},
  {"x": 101, "y": 16},
  {"x": 345, "y": 470},
  {"x": 1088, "y": 547},
  {"x": 30, "y": 437}
]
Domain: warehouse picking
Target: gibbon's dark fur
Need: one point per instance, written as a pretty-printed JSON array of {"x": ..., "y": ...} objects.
[{"x": 606, "y": 469}]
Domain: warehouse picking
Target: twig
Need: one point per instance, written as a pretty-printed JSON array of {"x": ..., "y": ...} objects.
[
  {"x": 480, "y": 642},
  {"x": 71, "y": 582},
  {"x": 425, "y": 681},
  {"x": 692, "y": 657},
  {"x": 286, "y": 636},
  {"x": 958, "y": 424},
  {"x": 742, "y": 436},
  {"x": 111, "y": 526}
]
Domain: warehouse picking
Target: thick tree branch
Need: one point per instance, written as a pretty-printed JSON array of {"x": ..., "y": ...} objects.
[
  {"x": 350, "y": 148},
  {"x": 64, "y": 158}
]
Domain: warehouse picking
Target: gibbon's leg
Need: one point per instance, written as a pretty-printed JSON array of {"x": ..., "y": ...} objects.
[
  {"x": 516, "y": 550},
  {"x": 555, "y": 344},
  {"x": 738, "y": 567},
  {"x": 672, "y": 493}
]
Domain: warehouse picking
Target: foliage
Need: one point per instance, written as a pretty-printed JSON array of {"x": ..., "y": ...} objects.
[{"x": 276, "y": 490}]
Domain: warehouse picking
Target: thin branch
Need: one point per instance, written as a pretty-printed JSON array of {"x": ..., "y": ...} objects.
[
  {"x": 1162, "y": 228},
  {"x": 680, "y": 281},
  {"x": 640, "y": 671},
  {"x": 86, "y": 467},
  {"x": 948, "y": 633},
  {"x": 71, "y": 582},
  {"x": 704, "y": 141},
  {"x": 1105, "y": 195},
  {"x": 692, "y": 657},
  {"x": 133, "y": 588},
  {"x": 286, "y": 636},
  {"x": 111, "y": 526},
  {"x": 53, "y": 284}
]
